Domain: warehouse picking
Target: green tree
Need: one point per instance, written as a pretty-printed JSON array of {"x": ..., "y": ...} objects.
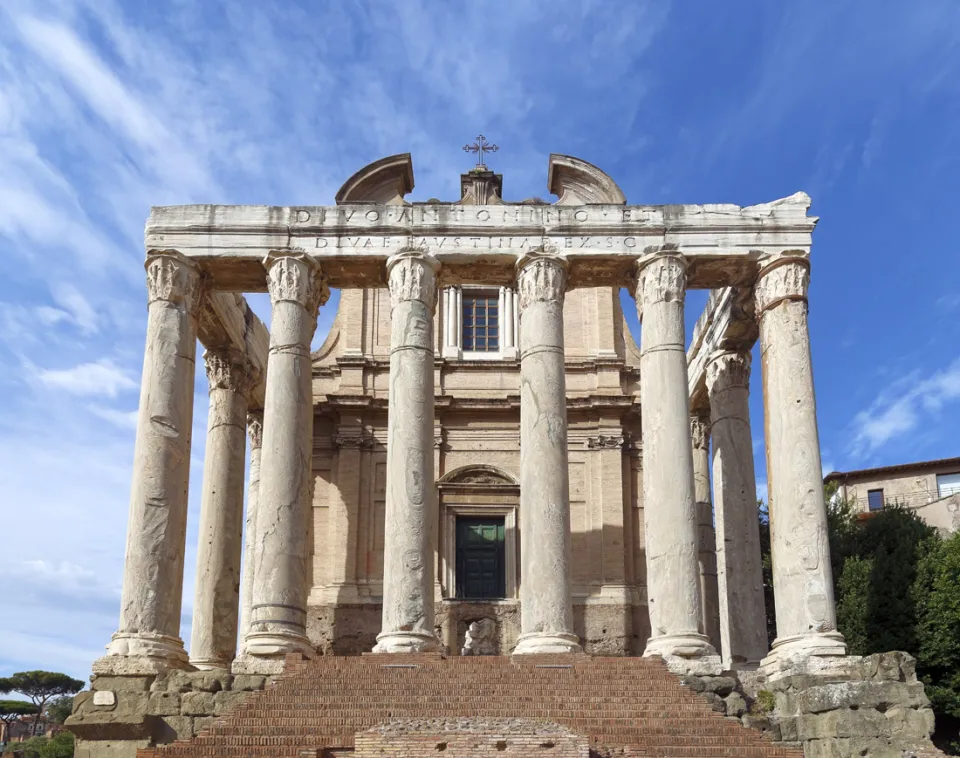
[
  {"x": 938, "y": 608},
  {"x": 39, "y": 687},
  {"x": 11, "y": 710},
  {"x": 60, "y": 746},
  {"x": 27, "y": 749}
]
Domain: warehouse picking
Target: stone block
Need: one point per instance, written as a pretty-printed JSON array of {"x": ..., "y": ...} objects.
[
  {"x": 127, "y": 720},
  {"x": 248, "y": 682},
  {"x": 735, "y": 704},
  {"x": 181, "y": 727},
  {"x": 122, "y": 683},
  {"x": 197, "y": 704},
  {"x": 789, "y": 728},
  {"x": 722, "y": 685},
  {"x": 224, "y": 702},
  {"x": 108, "y": 749},
  {"x": 194, "y": 681},
  {"x": 202, "y": 723},
  {"x": 164, "y": 704}
]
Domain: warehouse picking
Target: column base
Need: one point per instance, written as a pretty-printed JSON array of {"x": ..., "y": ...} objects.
[
  {"x": 209, "y": 665},
  {"x": 791, "y": 653},
  {"x": 264, "y": 653},
  {"x": 691, "y": 645},
  {"x": 141, "y": 654},
  {"x": 547, "y": 643},
  {"x": 405, "y": 642}
]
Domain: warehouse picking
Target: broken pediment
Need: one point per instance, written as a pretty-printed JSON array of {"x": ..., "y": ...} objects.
[{"x": 384, "y": 182}]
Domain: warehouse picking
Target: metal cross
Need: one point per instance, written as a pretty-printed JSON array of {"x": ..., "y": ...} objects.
[{"x": 480, "y": 147}]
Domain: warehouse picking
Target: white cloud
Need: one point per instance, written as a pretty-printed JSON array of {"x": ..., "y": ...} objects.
[
  {"x": 902, "y": 406},
  {"x": 100, "y": 378}
]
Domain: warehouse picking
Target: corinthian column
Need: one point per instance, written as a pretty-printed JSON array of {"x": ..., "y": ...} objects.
[
  {"x": 743, "y": 624},
  {"x": 213, "y": 642},
  {"x": 802, "y": 577},
  {"x": 281, "y": 547},
  {"x": 546, "y": 605},
  {"x": 670, "y": 514},
  {"x": 706, "y": 536},
  {"x": 408, "y": 616},
  {"x": 148, "y": 638},
  {"x": 255, "y": 435}
]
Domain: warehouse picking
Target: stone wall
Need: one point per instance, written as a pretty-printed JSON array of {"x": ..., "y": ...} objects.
[
  {"x": 122, "y": 713},
  {"x": 834, "y": 708}
]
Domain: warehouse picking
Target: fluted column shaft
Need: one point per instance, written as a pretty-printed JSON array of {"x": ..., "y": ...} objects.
[
  {"x": 670, "y": 516},
  {"x": 213, "y": 642},
  {"x": 802, "y": 577},
  {"x": 408, "y": 555},
  {"x": 743, "y": 625},
  {"x": 546, "y": 605},
  {"x": 278, "y": 613},
  {"x": 149, "y": 628},
  {"x": 255, "y": 435},
  {"x": 706, "y": 535}
]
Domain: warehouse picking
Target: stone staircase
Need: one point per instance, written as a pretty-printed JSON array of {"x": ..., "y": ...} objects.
[{"x": 623, "y": 706}]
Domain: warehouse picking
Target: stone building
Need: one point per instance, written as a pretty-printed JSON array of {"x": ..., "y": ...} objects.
[
  {"x": 479, "y": 459},
  {"x": 929, "y": 488}
]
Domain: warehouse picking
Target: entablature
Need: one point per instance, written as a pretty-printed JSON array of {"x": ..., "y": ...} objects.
[{"x": 478, "y": 244}]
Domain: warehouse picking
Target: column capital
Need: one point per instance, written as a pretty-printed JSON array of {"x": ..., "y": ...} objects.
[
  {"x": 412, "y": 275},
  {"x": 228, "y": 369},
  {"x": 255, "y": 429},
  {"x": 661, "y": 277},
  {"x": 295, "y": 277},
  {"x": 173, "y": 277},
  {"x": 700, "y": 431},
  {"x": 541, "y": 277},
  {"x": 784, "y": 278},
  {"x": 728, "y": 368}
]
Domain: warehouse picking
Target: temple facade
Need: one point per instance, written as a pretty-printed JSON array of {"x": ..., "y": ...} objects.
[{"x": 479, "y": 444}]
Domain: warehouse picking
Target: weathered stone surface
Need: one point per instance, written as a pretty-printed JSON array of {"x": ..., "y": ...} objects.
[
  {"x": 248, "y": 682},
  {"x": 123, "y": 683},
  {"x": 408, "y": 557},
  {"x": 670, "y": 518},
  {"x": 216, "y": 604},
  {"x": 546, "y": 604},
  {"x": 743, "y": 626},
  {"x": 255, "y": 435},
  {"x": 147, "y": 639},
  {"x": 278, "y": 621},
  {"x": 164, "y": 704},
  {"x": 706, "y": 535},
  {"x": 802, "y": 578},
  {"x": 198, "y": 704}
]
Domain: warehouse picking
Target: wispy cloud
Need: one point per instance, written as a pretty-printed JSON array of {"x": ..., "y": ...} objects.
[
  {"x": 901, "y": 407},
  {"x": 102, "y": 377}
]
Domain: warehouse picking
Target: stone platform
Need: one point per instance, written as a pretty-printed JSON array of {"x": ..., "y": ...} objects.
[{"x": 617, "y": 706}]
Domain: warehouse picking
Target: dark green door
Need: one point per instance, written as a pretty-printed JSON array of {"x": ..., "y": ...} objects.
[{"x": 480, "y": 563}]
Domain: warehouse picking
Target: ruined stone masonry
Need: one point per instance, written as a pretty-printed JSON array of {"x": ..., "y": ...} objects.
[{"x": 480, "y": 462}]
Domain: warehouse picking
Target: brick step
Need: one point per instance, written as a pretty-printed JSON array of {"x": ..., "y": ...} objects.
[{"x": 630, "y": 707}]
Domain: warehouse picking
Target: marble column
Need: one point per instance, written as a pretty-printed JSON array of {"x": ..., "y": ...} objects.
[
  {"x": 546, "y": 604},
  {"x": 255, "y": 436},
  {"x": 148, "y": 638},
  {"x": 281, "y": 539},
  {"x": 670, "y": 514},
  {"x": 706, "y": 535},
  {"x": 408, "y": 555},
  {"x": 213, "y": 641},
  {"x": 743, "y": 624},
  {"x": 802, "y": 577}
]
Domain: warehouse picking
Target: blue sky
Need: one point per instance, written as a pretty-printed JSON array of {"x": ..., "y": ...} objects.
[{"x": 107, "y": 108}]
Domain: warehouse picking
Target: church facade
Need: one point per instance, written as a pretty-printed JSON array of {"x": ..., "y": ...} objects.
[{"x": 476, "y": 450}]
